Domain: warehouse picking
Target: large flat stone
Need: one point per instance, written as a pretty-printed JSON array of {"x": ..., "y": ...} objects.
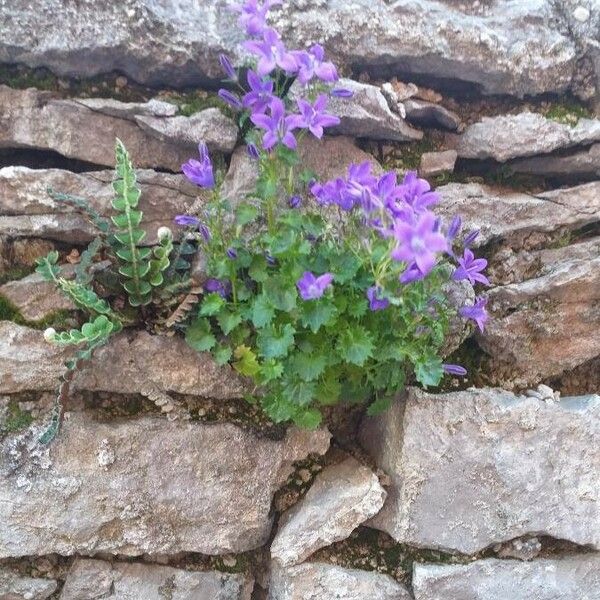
[
  {"x": 40, "y": 121},
  {"x": 92, "y": 579},
  {"x": 568, "y": 578},
  {"x": 27, "y": 210},
  {"x": 329, "y": 582},
  {"x": 547, "y": 321},
  {"x": 519, "y": 219},
  {"x": 499, "y": 48},
  {"x": 526, "y": 134},
  {"x": 585, "y": 163},
  {"x": 18, "y": 587},
  {"x": 128, "y": 363},
  {"x": 342, "y": 497},
  {"x": 474, "y": 468},
  {"x": 145, "y": 485}
]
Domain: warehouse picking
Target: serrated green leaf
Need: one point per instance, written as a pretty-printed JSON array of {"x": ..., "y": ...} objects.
[
  {"x": 329, "y": 389},
  {"x": 245, "y": 363},
  {"x": 283, "y": 297},
  {"x": 308, "y": 366},
  {"x": 429, "y": 371},
  {"x": 380, "y": 405},
  {"x": 300, "y": 393},
  {"x": 270, "y": 370},
  {"x": 211, "y": 304},
  {"x": 307, "y": 419},
  {"x": 258, "y": 269},
  {"x": 222, "y": 355},
  {"x": 199, "y": 336},
  {"x": 228, "y": 321},
  {"x": 245, "y": 213},
  {"x": 262, "y": 312},
  {"x": 278, "y": 407},
  {"x": 275, "y": 341},
  {"x": 355, "y": 345},
  {"x": 317, "y": 313}
]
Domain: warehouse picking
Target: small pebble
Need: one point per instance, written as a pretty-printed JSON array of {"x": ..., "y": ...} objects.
[{"x": 581, "y": 14}]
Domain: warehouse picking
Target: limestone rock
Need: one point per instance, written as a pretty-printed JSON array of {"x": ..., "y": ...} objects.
[
  {"x": 548, "y": 322},
  {"x": 92, "y": 579},
  {"x": 129, "y": 110},
  {"x": 428, "y": 114},
  {"x": 28, "y": 363},
  {"x": 526, "y": 134},
  {"x": 573, "y": 577},
  {"x": 329, "y": 582},
  {"x": 474, "y": 468},
  {"x": 519, "y": 219},
  {"x": 34, "y": 297},
  {"x": 518, "y": 48},
  {"x": 210, "y": 126},
  {"x": 169, "y": 487},
  {"x": 342, "y": 497},
  {"x": 580, "y": 164},
  {"x": 436, "y": 163},
  {"x": 368, "y": 115},
  {"x": 28, "y": 211},
  {"x": 17, "y": 587}
]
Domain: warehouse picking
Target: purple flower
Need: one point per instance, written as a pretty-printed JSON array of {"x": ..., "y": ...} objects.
[
  {"x": 417, "y": 192},
  {"x": 260, "y": 95},
  {"x": 232, "y": 253},
  {"x": 454, "y": 370},
  {"x": 411, "y": 273},
  {"x": 294, "y": 202},
  {"x": 477, "y": 312},
  {"x": 470, "y": 268},
  {"x": 253, "y": 151},
  {"x": 204, "y": 232},
  {"x": 230, "y": 98},
  {"x": 419, "y": 242},
  {"x": 471, "y": 238},
  {"x": 253, "y": 14},
  {"x": 332, "y": 192},
  {"x": 218, "y": 286},
  {"x": 342, "y": 93},
  {"x": 278, "y": 127},
  {"x": 313, "y": 116},
  {"x": 271, "y": 54},
  {"x": 454, "y": 228},
  {"x": 200, "y": 172},
  {"x": 375, "y": 301},
  {"x": 187, "y": 221},
  {"x": 312, "y": 64},
  {"x": 311, "y": 287},
  {"x": 227, "y": 67}
]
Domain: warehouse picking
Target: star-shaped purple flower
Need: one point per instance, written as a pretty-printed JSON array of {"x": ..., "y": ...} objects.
[
  {"x": 313, "y": 64},
  {"x": 253, "y": 14},
  {"x": 200, "y": 172},
  {"x": 311, "y": 287},
  {"x": 375, "y": 300},
  {"x": 470, "y": 268},
  {"x": 260, "y": 95},
  {"x": 417, "y": 192},
  {"x": 313, "y": 116},
  {"x": 477, "y": 312},
  {"x": 271, "y": 54},
  {"x": 278, "y": 127},
  {"x": 419, "y": 242}
]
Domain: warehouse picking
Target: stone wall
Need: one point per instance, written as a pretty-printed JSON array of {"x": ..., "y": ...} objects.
[{"x": 163, "y": 482}]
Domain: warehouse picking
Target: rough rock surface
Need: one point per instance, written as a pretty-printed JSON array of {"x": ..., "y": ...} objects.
[
  {"x": 210, "y": 126},
  {"x": 39, "y": 120},
  {"x": 519, "y": 218},
  {"x": 129, "y": 110},
  {"x": 27, "y": 210},
  {"x": 329, "y": 582},
  {"x": 34, "y": 297},
  {"x": 17, "y": 587},
  {"x": 526, "y": 134},
  {"x": 474, "y": 468},
  {"x": 342, "y": 497},
  {"x": 517, "y": 48},
  {"x": 436, "y": 163},
  {"x": 27, "y": 362},
  {"x": 547, "y": 322},
  {"x": 569, "y": 578},
  {"x": 368, "y": 115},
  {"x": 93, "y": 579},
  {"x": 580, "y": 164},
  {"x": 428, "y": 114},
  {"x": 145, "y": 485}
]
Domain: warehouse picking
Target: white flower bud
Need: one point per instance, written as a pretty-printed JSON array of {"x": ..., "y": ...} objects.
[
  {"x": 164, "y": 233},
  {"x": 49, "y": 334}
]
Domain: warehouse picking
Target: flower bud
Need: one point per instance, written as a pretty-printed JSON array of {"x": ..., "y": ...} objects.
[
  {"x": 342, "y": 93},
  {"x": 227, "y": 67},
  {"x": 253, "y": 151},
  {"x": 230, "y": 98},
  {"x": 294, "y": 202},
  {"x": 232, "y": 253}
]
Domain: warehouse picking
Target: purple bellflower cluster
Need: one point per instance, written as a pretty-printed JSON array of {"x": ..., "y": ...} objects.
[{"x": 397, "y": 211}]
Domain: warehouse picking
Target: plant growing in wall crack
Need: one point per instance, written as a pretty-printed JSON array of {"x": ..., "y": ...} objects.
[{"x": 316, "y": 291}]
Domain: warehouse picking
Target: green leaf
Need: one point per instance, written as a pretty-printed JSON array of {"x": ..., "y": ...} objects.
[
  {"x": 199, "y": 336},
  {"x": 275, "y": 341},
  {"x": 355, "y": 345},
  {"x": 357, "y": 307},
  {"x": 280, "y": 296},
  {"x": 308, "y": 366},
  {"x": 270, "y": 370},
  {"x": 380, "y": 405},
  {"x": 228, "y": 321},
  {"x": 258, "y": 269},
  {"x": 307, "y": 419},
  {"x": 278, "y": 407},
  {"x": 245, "y": 213},
  {"x": 211, "y": 304},
  {"x": 429, "y": 371},
  {"x": 222, "y": 354},
  {"x": 317, "y": 313},
  {"x": 329, "y": 389},
  {"x": 245, "y": 363},
  {"x": 262, "y": 312},
  {"x": 300, "y": 393}
]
